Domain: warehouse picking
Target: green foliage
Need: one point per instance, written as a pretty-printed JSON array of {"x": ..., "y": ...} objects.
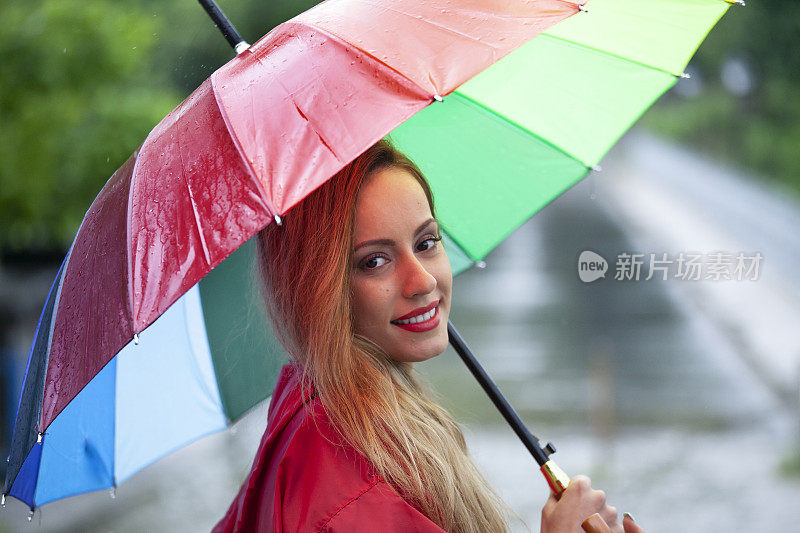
[
  {"x": 81, "y": 85},
  {"x": 761, "y": 129},
  {"x": 76, "y": 98}
]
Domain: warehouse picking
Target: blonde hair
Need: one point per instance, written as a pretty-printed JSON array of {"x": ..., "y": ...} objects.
[{"x": 376, "y": 403}]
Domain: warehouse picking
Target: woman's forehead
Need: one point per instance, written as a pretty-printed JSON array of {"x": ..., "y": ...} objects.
[{"x": 390, "y": 198}]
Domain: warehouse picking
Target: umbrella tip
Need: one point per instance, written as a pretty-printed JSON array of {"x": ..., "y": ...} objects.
[
  {"x": 480, "y": 264},
  {"x": 583, "y": 8},
  {"x": 685, "y": 75},
  {"x": 3, "y": 500},
  {"x": 438, "y": 98},
  {"x": 241, "y": 46},
  {"x": 278, "y": 220},
  {"x": 136, "y": 338},
  {"x": 39, "y": 438}
]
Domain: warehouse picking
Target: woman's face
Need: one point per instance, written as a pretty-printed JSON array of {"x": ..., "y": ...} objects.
[{"x": 401, "y": 275}]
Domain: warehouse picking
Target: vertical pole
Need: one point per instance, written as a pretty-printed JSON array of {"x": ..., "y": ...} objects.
[{"x": 224, "y": 25}]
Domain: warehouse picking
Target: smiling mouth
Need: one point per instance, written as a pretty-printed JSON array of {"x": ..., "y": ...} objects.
[
  {"x": 421, "y": 323},
  {"x": 424, "y": 317}
]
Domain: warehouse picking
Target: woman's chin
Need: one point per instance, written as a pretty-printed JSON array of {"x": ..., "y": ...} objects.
[{"x": 421, "y": 353}]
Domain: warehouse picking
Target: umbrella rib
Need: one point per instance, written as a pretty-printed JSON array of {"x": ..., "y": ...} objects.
[
  {"x": 197, "y": 221},
  {"x": 332, "y": 34},
  {"x": 248, "y": 165},
  {"x": 505, "y": 120},
  {"x": 196, "y": 215},
  {"x": 610, "y": 54}
]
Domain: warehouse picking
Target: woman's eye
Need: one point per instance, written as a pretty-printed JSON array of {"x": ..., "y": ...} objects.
[
  {"x": 373, "y": 262},
  {"x": 428, "y": 243}
]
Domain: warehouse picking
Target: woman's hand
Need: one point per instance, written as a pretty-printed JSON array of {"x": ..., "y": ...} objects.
[{"x": 577, "y": 503}]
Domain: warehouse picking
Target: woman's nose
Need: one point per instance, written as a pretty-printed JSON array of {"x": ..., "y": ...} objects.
[{"x": 417, "y": 280}]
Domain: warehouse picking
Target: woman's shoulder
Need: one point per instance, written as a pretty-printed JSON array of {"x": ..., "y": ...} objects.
[
  {"x": 305, "y": 478},
  {"x": 323, "y": 484}
]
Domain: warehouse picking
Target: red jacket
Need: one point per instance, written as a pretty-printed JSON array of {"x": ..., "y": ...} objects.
[{"x": 301, "y": 481}]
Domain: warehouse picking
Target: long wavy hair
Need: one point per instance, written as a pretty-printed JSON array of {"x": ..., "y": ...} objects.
[{"x": 376, "y": 404}]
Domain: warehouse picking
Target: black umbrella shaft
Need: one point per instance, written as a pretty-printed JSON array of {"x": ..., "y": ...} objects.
[
  {"x": 508, "y": 412},
  {"x": 222, "y": 22}
]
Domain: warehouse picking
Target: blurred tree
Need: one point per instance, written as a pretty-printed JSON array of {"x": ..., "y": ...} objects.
[
  {"x": 747, "y": 106},
  {"x": 194, "y": 53},
  {"x": 76, "y": 98},
  {"x": 82, "y": 82}
]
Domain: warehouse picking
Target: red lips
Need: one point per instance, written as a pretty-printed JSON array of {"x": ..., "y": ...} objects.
[{"x": 418, "y": 311}]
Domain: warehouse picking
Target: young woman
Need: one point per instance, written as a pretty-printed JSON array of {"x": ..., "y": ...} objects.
[{"x": 359, "y": 287}]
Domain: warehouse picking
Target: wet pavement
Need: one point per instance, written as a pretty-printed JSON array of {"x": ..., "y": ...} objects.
[{"x": 637, "y": 385}]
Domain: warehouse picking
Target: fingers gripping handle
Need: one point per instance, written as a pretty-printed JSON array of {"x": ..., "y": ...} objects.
[
  {"x": 556, "y": 478},
  {"x": 595, "y": 524},
  {"x": 559, "y": 481}
]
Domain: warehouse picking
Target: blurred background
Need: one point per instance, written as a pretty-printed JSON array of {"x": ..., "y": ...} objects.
[{"x": 680, "y": 398}]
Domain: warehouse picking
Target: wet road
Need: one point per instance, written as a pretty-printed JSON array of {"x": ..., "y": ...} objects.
[{"x": 636, "y": 384}]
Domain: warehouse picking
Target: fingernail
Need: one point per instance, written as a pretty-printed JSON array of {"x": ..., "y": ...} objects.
[{"x": 629, "y": 515}]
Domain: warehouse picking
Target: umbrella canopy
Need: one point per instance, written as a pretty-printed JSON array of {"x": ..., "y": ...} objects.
[{"x": 138, "y": 351}]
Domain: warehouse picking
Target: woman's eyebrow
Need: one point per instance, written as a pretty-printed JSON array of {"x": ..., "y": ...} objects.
[{"x": 390, "y": 242}]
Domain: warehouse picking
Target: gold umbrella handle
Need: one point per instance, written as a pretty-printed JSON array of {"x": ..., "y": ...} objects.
[{"x": 558, "y": 481}]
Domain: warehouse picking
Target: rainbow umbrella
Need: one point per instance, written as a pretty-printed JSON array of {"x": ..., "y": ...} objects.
[{"x": 141, "y": 347}]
